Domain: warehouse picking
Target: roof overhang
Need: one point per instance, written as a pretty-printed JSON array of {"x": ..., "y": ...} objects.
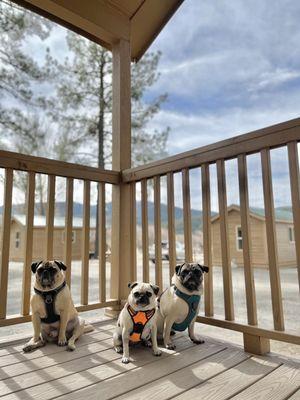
[{"x": 108, "y": 21}]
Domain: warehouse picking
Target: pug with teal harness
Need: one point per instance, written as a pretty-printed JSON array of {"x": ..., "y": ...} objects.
[{"x": 179, "y": 304}]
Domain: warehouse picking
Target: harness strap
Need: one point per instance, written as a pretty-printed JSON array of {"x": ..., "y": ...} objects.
[
  {"x": 49, "y": 301},
  {"x": 139, "y": 320},
  {"x": 192, "y": 302}
]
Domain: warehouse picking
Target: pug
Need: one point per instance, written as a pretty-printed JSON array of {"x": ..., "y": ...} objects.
[
  {"x": 54, "y": 317},
  {"x": 178, "y": 306},
  {"x": 137, "y": 320}
]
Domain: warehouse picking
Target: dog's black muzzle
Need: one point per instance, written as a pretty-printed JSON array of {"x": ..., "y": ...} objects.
[{"x": 143, "y": 300}]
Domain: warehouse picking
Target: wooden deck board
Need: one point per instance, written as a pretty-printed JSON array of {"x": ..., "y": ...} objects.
[{"x": 213, "y": 370}]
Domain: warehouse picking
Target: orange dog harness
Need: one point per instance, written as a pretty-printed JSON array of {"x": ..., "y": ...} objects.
[{"x": 139, "y": 319}]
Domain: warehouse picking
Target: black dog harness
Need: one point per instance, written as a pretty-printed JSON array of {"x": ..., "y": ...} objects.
[{"x": 49, "y": 301}]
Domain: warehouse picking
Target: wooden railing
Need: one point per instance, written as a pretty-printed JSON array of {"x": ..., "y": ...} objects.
[
  {"x": 32, "y": 165},
  {"x": 238, "y": 148}
]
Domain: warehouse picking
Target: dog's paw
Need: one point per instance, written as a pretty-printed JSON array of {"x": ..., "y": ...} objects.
[
  {"x": 125, "y": 360},
  {"x": 62, "y": 342},
  {"x": 71, "y": 347},
  {"x": 119, "y": 349},
  {"x": 28, "y": 347},
  {"x": 147, "y": 343},
  {"x": 157, "y": 353},
  {"x": 197, "y": 341},
  {"x": 170, "y": 346}
]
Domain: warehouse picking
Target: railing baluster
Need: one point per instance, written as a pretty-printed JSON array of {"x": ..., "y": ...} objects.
[
  {"x": 187, "y": 225},
  {"x": 295, "y": 192},
  {"x": 157, "y": 229},
  {"x": 226, "y": 261},
  {"x": 85, "y": 244},
  {"x": 246, "y": 240},
  {"x": 69, "y": 229},
  {"x": 133, "y": 231},
  {"x": 171, "y": 225},
  {"x": 102, "y": 243},
  {"x": 206, "y": 211},
  {"x": 145, "y": 239},
  {"x": 272, "y": 241},
  {"x": 6, "y": 223},
  {"x": 50, "y": 217},
  {"x": 30, "y": 196}
]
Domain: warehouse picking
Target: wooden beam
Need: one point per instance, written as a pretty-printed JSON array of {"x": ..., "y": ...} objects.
[
  {"x": 5, "y": 244},
  {"x": 85, "y": 243},
  {"x": 187, "y": 223},
  {"x": 157, "y": 230},
  {"x": 225, "y": 250},
  {"x": 256, "y": 344},
  {"x": 102, "y": 242},
  {"x": 69, "y": 229},
  {"x": 171, "y": 225},
  {"x": 133, "y": 232},
  {"x": 50, "y": 217},
  {"x": 145, "y": 239},
  {"x": 207, "y": 242},
  {"x": 121, "y": 159},
  {"x": 30, "y": 196},
  {"x": 246, "y": 240}
]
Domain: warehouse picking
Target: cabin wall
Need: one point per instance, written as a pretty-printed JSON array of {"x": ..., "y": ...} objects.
[{"x": 286, "y": 249}]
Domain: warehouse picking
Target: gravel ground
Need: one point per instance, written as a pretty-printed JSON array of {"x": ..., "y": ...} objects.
[{"x": 290, "y": 293}]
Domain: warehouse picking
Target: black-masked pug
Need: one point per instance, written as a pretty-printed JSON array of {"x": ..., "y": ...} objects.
[
  {"x": 54, "y": 317},
  {"x": 137, "y": 320},
  {"x": 179, "y": 304}
]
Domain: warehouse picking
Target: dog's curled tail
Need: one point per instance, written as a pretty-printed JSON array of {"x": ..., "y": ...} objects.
[{"x": 88, "y": 328}]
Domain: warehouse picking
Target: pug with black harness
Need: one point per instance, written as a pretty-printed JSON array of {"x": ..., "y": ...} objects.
[
  {"x": 179, "y": 304},
  {"x": 137, "y": 320},
  {"x": 54, "y": 316}
]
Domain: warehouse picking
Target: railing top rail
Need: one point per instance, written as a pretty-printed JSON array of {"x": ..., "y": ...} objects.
[
  {"x": 23, "y": 162},
  {"x": 270, "y": 137}
]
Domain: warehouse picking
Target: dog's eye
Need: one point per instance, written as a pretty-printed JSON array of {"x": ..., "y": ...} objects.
[
  {"x": 184, "y": 272},
  {"x": 40, "y": 271},
  {"x": 136, "y": 294},
  {"x": 148, "y": 294}
]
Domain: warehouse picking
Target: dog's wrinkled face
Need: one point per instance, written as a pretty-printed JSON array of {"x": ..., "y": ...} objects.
[
  {"x": 190, "y": 275},
  {"x": 48, "y": 274},
  {"x": 142, "y": 295}
]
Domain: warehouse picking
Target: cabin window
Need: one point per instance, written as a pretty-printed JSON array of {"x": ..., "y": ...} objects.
[
  {"x": 73, "y": 237},
  {"x": 239, "y": 238},
  {"x": 291, "y": 234},
  {"x": 17, "y": 240}
]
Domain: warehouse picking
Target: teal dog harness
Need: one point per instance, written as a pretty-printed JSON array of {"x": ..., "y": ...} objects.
[{"x": 192, "y": 302}]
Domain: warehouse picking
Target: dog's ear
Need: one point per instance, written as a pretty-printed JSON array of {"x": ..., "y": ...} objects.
[
  {"x": 60, "y": 265},
  {"x": 178, "y": 268},
  {"x": 132, "y": 285},
  {"x": 155, "y": 289},
  {"x": 204, "y": 269},
  {"x": 34, "y": 266}
]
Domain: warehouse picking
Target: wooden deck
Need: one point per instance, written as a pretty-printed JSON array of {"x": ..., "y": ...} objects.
[{"x": 213, "y": 370}]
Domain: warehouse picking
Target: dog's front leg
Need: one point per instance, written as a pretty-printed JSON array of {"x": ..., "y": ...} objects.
[
  {"x": 37, "y": 340},
  {"x": 62, "y": 340},
  {"x": 192, "y": 335},
  {"x": 125, "y": 340},
  {"x": 156, "y": 350},
  {"x": 167, "y": 333}
]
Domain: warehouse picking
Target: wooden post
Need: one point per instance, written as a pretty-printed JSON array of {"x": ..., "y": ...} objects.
[
  {"x": 256, "y": 344},
  {"x": 50, "y": 217},
  {"x": 69, "y": 229},
  {"x": 121, "y": 159}
]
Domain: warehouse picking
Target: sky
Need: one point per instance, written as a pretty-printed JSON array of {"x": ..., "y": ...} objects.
[{"x": 229, "y": 67}]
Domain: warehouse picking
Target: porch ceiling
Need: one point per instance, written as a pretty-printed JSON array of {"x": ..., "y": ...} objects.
[{"x": 107, "y": 21}]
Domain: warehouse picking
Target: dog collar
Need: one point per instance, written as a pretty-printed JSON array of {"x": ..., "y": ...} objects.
[
  {"x": 49, "y": 300},
  {"x": 192, "y": 301},
  {"x": 139, "y": 319}
]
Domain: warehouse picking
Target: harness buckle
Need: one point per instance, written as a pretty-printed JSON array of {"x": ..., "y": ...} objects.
[{"x": 48, "y": 299}]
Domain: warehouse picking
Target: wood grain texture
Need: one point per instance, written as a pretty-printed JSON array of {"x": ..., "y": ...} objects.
[
  {"x": 26, "y": 286},
  {"x": 272, "y": 241},
  {"x": 187, "y": 222},
  {"x": 157, "y": 230},
  {"x": 69, "y": 229},
  {"x": 85, "y": 243},
  {"x": 207, "y": 242},
  {"x": 171, "y": 225},
  {"x": 50, "y": 217},
  {"x": 226, "y": 260},
  {"x": 246, "y": 240},
  {"x": 295, "y": 194},
  {"x": 102, "y": 242},
  {"x": 145, "y": 240},
  {"x": 5, "y": 244},
  {"x": 133, "y": 250}
]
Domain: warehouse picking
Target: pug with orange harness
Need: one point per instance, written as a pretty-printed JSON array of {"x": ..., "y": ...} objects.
[{"x": 137, "y": 320}]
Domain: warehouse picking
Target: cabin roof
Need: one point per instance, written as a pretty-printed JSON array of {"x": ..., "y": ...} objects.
[
  {"x": 59, "y": 222},
  {"x": 107, "y": 21}
]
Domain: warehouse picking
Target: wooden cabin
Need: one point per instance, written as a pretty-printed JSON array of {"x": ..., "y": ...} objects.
[
  {"x": 18, "y": 238},
  {"x": 214, "y": 370},
  {"x": 285, "y": 238}
]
